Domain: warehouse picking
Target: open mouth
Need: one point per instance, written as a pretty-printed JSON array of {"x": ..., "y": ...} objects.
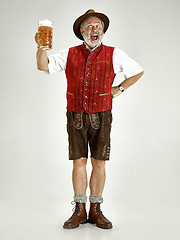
[{"x": 94, "y": 37}]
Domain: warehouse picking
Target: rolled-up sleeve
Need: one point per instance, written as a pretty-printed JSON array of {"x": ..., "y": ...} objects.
[
  {"x": 57, "y": 62},
  {"x": 123, "y": 63}
]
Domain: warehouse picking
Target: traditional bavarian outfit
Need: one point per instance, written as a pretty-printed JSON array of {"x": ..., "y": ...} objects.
[{"x": 90, "y": 74}]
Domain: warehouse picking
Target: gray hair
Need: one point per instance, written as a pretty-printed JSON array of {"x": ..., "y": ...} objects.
[{"x": 82, "y": 24}]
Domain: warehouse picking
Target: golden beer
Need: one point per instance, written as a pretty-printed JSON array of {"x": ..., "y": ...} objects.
[{"x": 45, "y": 31}]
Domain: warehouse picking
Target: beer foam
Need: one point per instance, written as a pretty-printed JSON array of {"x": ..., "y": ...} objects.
[{"x": 45, "y": 22}]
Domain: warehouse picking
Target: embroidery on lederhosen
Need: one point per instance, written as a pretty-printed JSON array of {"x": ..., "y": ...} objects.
[
  {"x": 78, "y": 120},
  {"x": 95, "y": 121},
  {"x": 106, "y": 151}
]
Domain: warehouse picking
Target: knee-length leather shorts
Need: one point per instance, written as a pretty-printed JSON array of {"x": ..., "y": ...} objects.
[{"x": 89, "y": 129}]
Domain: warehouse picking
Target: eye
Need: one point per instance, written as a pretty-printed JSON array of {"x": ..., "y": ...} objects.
[
  {"x": 97, "y": 26},
  {"x": 90, "y": 26}
]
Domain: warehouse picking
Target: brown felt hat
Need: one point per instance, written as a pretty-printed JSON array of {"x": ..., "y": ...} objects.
[{"x": 89, "y": 13}]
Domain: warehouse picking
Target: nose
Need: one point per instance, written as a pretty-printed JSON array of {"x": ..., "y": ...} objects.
[{"x": 93, "y": 28}]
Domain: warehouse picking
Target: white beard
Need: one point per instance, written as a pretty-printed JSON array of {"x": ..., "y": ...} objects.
[{"x": 92, "y": 43}]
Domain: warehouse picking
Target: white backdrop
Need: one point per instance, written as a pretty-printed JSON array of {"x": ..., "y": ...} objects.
[{"x": 142, "y": 191}]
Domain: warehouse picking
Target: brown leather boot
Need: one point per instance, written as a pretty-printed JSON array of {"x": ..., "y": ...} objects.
[
  {"x": 79, "y": 217},
  {"x": 96, "y": 216}
]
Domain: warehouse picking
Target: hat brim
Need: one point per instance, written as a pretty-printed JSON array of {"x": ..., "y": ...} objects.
[{"x": 77, "y": 23}]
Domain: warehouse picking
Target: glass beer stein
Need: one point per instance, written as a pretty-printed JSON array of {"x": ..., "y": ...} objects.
[{"x": 45, "y": 29}]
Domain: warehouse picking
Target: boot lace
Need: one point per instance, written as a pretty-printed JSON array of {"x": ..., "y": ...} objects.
[
  {"x": 98, "y": 208},
  {"x": 76, "y": 208}
]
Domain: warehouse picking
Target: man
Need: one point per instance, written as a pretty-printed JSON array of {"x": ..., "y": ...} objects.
[{"x": 90, "y": 69}]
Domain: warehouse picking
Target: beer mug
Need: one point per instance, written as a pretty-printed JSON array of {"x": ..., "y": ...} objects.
[{"x": 45, "y": 29}]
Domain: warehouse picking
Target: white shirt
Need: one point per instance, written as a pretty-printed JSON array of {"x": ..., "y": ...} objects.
[{"x": 121, "y": 63}]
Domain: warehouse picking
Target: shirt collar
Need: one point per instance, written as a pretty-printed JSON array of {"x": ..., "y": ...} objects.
[{"x": 91, "y": 50}]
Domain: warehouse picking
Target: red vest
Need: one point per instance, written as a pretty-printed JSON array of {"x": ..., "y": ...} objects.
[{"x": 89, "y": 79}]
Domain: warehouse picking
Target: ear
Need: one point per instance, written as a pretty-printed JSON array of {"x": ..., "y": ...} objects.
[{"x": 81, "y": 31}]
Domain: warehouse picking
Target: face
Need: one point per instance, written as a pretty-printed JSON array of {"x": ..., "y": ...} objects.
[{"x": 92, "y": 31}]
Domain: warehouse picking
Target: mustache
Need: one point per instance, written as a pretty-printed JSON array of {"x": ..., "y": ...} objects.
[{"x": 93, "y": 34}]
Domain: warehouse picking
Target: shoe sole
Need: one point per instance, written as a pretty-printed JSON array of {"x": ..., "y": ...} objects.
[
  {"x": 70, "y": 227},
  {"x": 109, "y": 227}
]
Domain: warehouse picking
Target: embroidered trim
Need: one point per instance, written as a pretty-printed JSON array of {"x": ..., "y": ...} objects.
[
  {"x": 106, "y": 151},
  {"x": 70, "y": 93},
  {"x": 103, "y": 94},
  {"x": 78, "y": 120},
  {"x": 101, "y": 61},
  {"x": 95, "y": 121}
]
